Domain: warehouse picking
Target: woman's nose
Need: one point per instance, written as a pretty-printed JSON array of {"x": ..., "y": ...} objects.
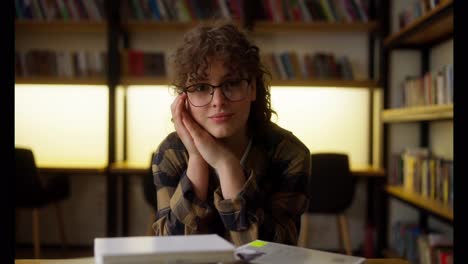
[{"x": 218, "y": 97}]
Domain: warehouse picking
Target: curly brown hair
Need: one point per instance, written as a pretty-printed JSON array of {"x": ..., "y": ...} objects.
[{"x": 229, "y": 43}]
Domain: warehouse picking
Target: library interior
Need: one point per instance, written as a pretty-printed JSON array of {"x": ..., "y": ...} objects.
[{"x": 368, "y": 83}]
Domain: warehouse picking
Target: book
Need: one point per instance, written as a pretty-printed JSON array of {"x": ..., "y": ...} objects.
[
  {"x": 434, "y": 248},
  {"x": 169, "y": 249},
  {"x": 259, "y": 252}
]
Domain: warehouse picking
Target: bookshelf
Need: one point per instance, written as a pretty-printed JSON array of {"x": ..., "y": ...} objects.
[
  {"x": 433, "y": 27},
  {"x": 427, "y": 34},
  {"x": 41, "y": 26},
  {"x": 99, "y": 27},
  {"x": 268, "y": 28}
]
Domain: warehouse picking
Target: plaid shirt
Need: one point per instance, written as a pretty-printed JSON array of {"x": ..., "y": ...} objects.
[{"x": 269, "y": 206}]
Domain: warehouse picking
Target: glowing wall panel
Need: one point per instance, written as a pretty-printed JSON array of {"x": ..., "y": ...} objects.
[{"x": 64, "y": 125}]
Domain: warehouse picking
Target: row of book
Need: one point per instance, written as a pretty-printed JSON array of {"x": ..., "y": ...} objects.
[
  {"x": 189, "y": 10},
  {"x": 282, "y": 66},
  {"x": 64, "y": 10},
  {"x": 433, "y": 88},
  {"x": 319, "y": 65},
  {"x": 181, "y": 10},
  {"x": 143, "y": 63},
  {"x": 416, "y": 10},
  {"x": 419, "y": 171},
  {"x": 270, "y": 10},
  {"x": 81, "y": 63},
  {"x": 315, "y": 10},
  {"x": 421, "y": 246}
]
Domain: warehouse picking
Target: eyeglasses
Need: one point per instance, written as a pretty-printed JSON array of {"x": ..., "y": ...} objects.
[{"x": 201, "y": 94}]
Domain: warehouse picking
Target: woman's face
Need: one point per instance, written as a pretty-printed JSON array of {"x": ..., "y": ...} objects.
[{"x": 222, "y": 118}]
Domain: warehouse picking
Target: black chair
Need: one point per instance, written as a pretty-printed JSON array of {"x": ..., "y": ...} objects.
[
  {"x": 34, "y": 193},
  {"x": 331, "y": 191},
  {"x": 149, "y": 191}
]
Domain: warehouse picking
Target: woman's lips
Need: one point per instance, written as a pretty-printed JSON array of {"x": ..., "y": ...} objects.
[{"x": 221, "y": 117}]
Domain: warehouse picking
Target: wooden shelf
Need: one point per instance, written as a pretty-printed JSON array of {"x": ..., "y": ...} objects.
[
  {"x": 61, "y": 80},
  {"x": 320, "y": 26},
  {"x": 429, "y": 29},
  {"x": 367, "y": 171},
  {"x": 419, "y": 113},
  {"x": 391, "y": 253},
  {"x": 130, "y": 80},
  {"x": 60, "y": 26},
  {"x": 309, "y": 83},
  {"x": 260, "y": 27},
  {"x": 125, "y": 167},
  {"x": 72, "y": 170},
  {"x": 327, "y": 83},
  {"x": 430, "y": 205}
]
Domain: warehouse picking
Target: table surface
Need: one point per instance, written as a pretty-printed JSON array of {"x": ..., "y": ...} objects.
[{"x": 91, "y": 261}]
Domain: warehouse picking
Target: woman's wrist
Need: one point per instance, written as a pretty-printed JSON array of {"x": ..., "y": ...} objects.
[
  {"x": 231, "y": 176},
  {"x": 197, "y": 172}
]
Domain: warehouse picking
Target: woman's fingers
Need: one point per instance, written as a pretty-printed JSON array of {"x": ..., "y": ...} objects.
[
  {"x": 192, "y": 127},
  {"x": 178, "y": 110}
]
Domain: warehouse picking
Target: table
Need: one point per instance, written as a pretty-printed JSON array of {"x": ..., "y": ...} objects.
[{"x": 91, "y": 261}]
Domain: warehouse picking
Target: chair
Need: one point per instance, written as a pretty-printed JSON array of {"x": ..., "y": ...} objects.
[
  {"x": 32, "y": 193},
  {"x": 149, "y": 190},
  {"x": 331, "y": 190}
]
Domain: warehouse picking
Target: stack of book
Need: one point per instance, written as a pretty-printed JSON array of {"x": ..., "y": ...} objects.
[
  {"x": 143, "y": 63},
  {"x": 421, "y": 246},
  {"x": 41, "y": 63},
  {"x": 65, "y": 10},
  {"x": 320, "y": 65},
  {"x": 170, "y": 249},
  {"x": 433, "y": 88},
  {"x": 417, "y": 170},
  {"x": 435, "y": 248}
]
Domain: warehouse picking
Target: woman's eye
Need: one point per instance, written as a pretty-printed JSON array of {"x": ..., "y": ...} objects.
[
  {"x": 202, "y": 88},
  {"x": 233, "y": 83}
]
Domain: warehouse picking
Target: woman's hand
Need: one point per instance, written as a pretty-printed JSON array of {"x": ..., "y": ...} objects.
[
  {"x": 177, "y": 110},
  {"x": 197, "y": 168},
  {"x": 205, "y": 150},
  {"x": 211, "y": 149},
  {"x": 218, "y": 156}
]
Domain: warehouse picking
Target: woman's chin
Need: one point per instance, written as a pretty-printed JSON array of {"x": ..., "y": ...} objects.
[{"x": 220, "y": 133}]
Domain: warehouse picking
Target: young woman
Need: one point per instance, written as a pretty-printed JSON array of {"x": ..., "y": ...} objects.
[{"x": 227, "y": 169}]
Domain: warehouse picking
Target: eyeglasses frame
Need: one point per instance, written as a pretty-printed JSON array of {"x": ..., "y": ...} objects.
[{"x": 213, "y": 87}]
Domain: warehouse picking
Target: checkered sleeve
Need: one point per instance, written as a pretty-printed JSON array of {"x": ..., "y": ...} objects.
[
  {"x": 179, "y": 210},
  {"x": 277, "y": 217}
]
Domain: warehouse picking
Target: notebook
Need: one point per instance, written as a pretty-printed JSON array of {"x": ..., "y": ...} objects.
[
  {"x": 259, "y": 252},
  {"x": 170, "y": 249}
]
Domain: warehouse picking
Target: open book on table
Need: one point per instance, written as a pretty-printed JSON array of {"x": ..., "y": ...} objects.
[
  {"x": 206, "y": 249},
  {"x": 260, "y": 252}
]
